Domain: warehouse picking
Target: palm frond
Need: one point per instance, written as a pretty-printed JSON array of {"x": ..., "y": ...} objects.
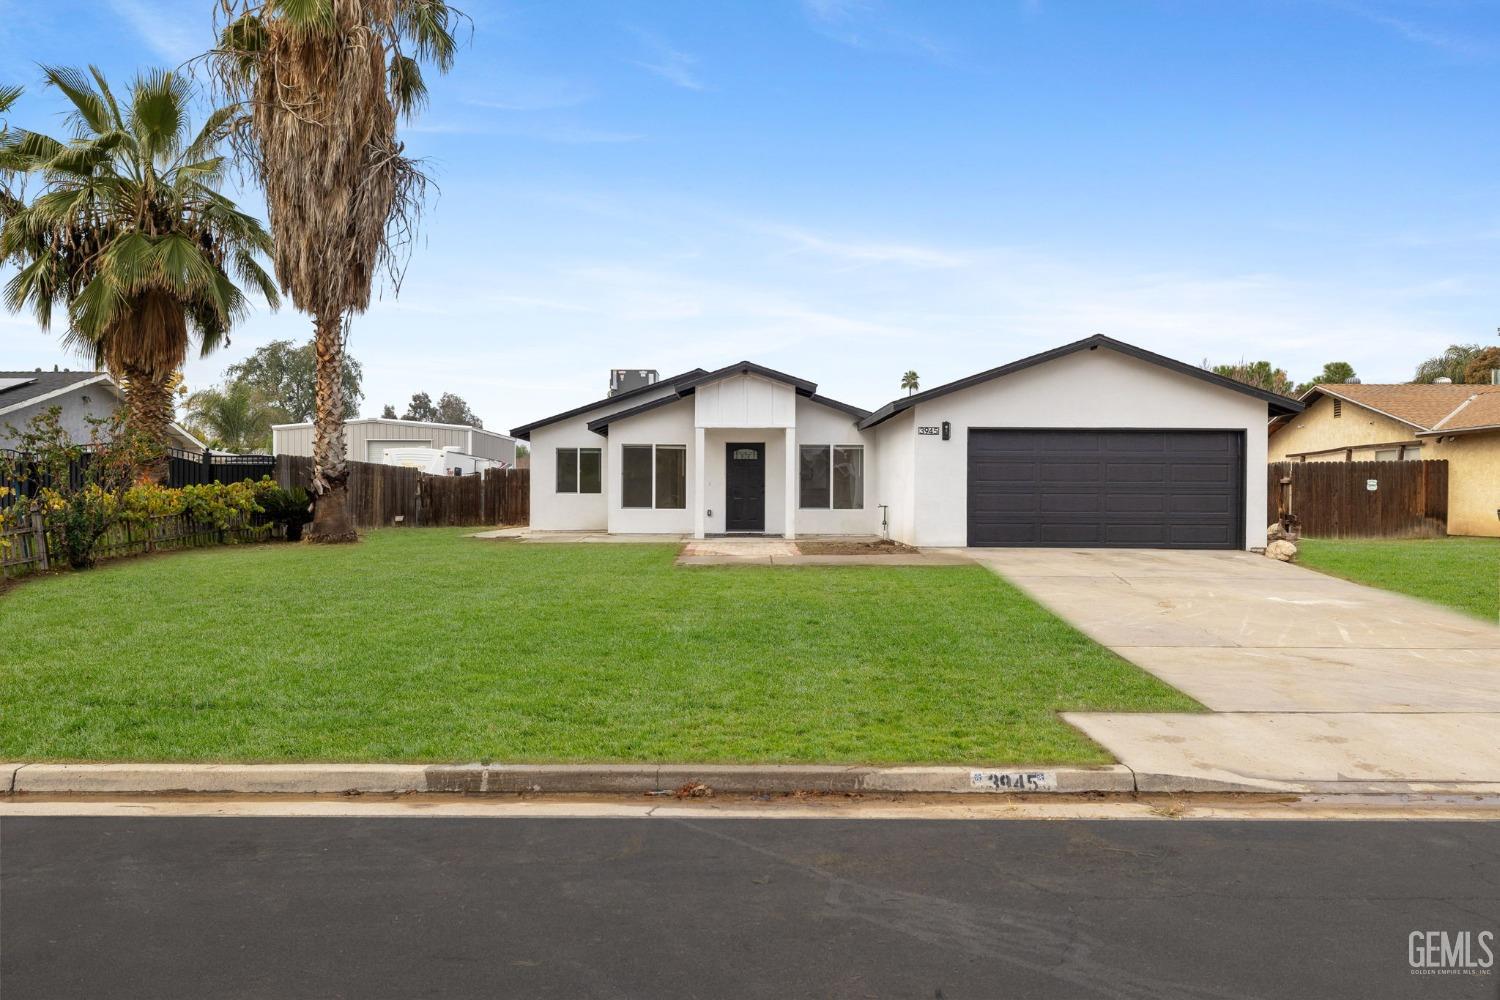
[{"x": 90, "y": 110}]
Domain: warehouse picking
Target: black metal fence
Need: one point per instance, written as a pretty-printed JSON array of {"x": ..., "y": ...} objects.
[
  {"x": 184, "y": 468},
  {"x": 188, "y": 468}
]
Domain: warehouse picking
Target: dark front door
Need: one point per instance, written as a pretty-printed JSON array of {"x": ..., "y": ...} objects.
[
  {"x": 745, "y": 487},
  {"x": 1168, "y": 489}
]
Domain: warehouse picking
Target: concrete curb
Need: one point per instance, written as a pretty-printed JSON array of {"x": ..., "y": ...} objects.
[
  {"x": 482, "y": 779},
  {"x": 512, "y": 779}
]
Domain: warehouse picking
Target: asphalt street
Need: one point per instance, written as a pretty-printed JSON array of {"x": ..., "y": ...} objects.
[{"x": 362, "y": 908}]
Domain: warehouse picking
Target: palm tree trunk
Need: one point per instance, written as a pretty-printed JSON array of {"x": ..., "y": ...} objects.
[
  {"x": 148, "y": 412},
  {"x": 330, "y": 482}
]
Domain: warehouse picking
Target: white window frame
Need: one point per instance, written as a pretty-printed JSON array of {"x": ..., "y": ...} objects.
[
  {"x": 654, "y": 449},
  {"x": 863, "y": 468},
  {"x": 578, "y": 489}
]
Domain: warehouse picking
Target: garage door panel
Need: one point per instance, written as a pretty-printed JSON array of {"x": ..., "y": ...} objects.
[
  {"x": 1069, "y": 503},
  {"x": 1148, "y": 489}
]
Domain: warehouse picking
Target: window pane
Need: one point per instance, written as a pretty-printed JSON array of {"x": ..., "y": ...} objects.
[
  {"x": 635, "y": 475},
  {"x": 671, "y": 477},
  {"x": 849, "y": 478},
  {"x": 590, "y": 470},
  {"x": 1390, "y": 455},
  {"x": 567, "y": 470},
  {"x": 813, "y": 476}
]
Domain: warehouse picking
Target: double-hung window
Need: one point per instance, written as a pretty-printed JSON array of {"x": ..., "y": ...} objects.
[
  {"x": 653, "y": 476},
  {"x": 831, "y": 476},
  {"x": 580, "y": 470}
]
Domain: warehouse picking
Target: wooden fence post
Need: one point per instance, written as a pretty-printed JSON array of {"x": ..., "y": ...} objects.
[{"x": 39, "y": 534}]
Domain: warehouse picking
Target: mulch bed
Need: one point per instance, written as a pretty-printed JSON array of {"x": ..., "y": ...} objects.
[{"x": 839, "y": 547}]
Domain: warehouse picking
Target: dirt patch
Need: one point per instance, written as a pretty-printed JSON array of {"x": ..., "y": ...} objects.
[{"x": 840, "y": 547}]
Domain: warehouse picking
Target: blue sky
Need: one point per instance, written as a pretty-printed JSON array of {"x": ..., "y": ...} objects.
[{"x": 846, "y": 189}]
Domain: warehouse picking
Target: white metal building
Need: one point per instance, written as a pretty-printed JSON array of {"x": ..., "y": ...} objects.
[{"x": 369, "y": 438}]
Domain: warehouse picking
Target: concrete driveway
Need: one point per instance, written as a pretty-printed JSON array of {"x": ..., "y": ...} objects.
[{"x": 1318, "y": 680}]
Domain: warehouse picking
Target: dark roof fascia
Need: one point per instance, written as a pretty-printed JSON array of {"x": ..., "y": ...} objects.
[
  {"x": 1279, "y": 404},
  {"x": 802, "y": 385},
  {"x": 601, "y": 426},
  {"x": 858, "y": 413},
  {"x": 524, "y": 431}
]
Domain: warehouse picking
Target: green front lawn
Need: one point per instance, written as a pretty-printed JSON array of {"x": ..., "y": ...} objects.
[
  {"x": 421, "y": 644},
  {"x": 1463, "y": 573}
]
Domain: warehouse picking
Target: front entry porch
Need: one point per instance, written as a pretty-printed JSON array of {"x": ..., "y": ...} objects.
[{"x": 745, "y": 482}]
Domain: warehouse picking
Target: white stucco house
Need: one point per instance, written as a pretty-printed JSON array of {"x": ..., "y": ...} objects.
[{"x": 1095, "y": 443}]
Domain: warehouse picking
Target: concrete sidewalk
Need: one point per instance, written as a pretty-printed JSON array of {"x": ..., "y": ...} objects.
[{"x": 1404, "y": 692}]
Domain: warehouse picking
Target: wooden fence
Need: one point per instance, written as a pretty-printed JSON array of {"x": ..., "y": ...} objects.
[
  {"x": 27, "y": 548},
  {"x": 1335, "y": 499},
  {"x": 379, "y": 494}
]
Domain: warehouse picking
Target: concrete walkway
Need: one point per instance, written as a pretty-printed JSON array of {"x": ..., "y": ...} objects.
[{"x": 1403, "y": 691}]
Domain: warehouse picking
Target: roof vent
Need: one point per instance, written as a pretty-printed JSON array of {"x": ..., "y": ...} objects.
[
  {"x": 1351, "y": 381},
  {"x": 1444, "y": 380}
]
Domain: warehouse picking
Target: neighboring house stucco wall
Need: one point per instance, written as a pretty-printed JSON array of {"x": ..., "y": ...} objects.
[
  {"x": 1084, "y": 390},
  {"x": 1316, "y": 432},
  {"x": 1473, "y": 459}
]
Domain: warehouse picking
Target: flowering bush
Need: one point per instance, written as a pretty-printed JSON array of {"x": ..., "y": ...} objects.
[{"x": 79, "y": 489}]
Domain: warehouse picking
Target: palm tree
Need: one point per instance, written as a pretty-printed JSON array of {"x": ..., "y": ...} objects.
[
  {"x": 909, "y": 382},
  {"x": 325, "y": 82},
  {"x": 128, "y": 232},
  {"x": 235, "y": 418}
]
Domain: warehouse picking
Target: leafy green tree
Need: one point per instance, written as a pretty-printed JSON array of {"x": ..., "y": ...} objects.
[
  {"x": 326, "y": 82},
  {"x": 449, "y": 409},
  {"x": 910, "y": 382},
  {"x": 1261, "y": 374},
  {"x": 388, "y": 412},
  {"x": 1451, "y": 364},
  {"x": 126, "y": 229},
  {"x": 236, "y": 417},
  {"x": 286, "y": 375},
  {"x": 1333, "y": 373}
]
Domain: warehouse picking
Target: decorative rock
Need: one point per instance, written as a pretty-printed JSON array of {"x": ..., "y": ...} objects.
[
  {"x": 1281, "y": 549},
  {"x": 1275, "y": 532}
]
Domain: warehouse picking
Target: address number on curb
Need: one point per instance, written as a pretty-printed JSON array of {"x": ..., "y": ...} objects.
[{"x": 1013, "y": 781}]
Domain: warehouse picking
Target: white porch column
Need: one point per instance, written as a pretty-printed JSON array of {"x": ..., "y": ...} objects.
[
  {"x": 700, "y": 478},
  {"x": 791, "y": 482}
]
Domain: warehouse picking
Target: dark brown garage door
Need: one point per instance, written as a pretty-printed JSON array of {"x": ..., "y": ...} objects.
[{"x": 1107, "y": 488}]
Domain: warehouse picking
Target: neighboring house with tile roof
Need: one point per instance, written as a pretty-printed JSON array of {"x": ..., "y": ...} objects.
[
  {"x": 1362, "y": 423},
  {"x": 81, "y": 396}
]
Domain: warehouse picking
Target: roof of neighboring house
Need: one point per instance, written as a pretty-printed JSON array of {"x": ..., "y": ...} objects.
[
  {"x": 524, "y": 431},
  {"x": 1430, "y": 408},
  {"x": 1279, "y": 404},
  {"x": 18, "y": 389},
  {"x": 21, "y": 389}
]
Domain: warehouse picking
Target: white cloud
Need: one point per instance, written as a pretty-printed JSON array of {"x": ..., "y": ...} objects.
[
  {"x": 673, "y": 65},
  {"x": 177, "y": 34},
  {"x": 868, "y": 252}
]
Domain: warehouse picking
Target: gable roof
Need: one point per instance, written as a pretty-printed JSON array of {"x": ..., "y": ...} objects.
[
  {"x": 22, "y": 389},
  {"x": 1430, "y": 408},
  {"x": 1279, "y": 404},
  {"x": 601, "y": 426},
  {"x": 18, "y": 389},
  {"x": 802, "y": 385},
  {"x": 524, "y": 431}
]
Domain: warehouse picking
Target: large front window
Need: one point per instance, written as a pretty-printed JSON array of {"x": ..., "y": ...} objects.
[
  {"x": 831, "y": 476},
  {"x": 580, "y": 470},
  {"x": 653, "y": 476}
]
